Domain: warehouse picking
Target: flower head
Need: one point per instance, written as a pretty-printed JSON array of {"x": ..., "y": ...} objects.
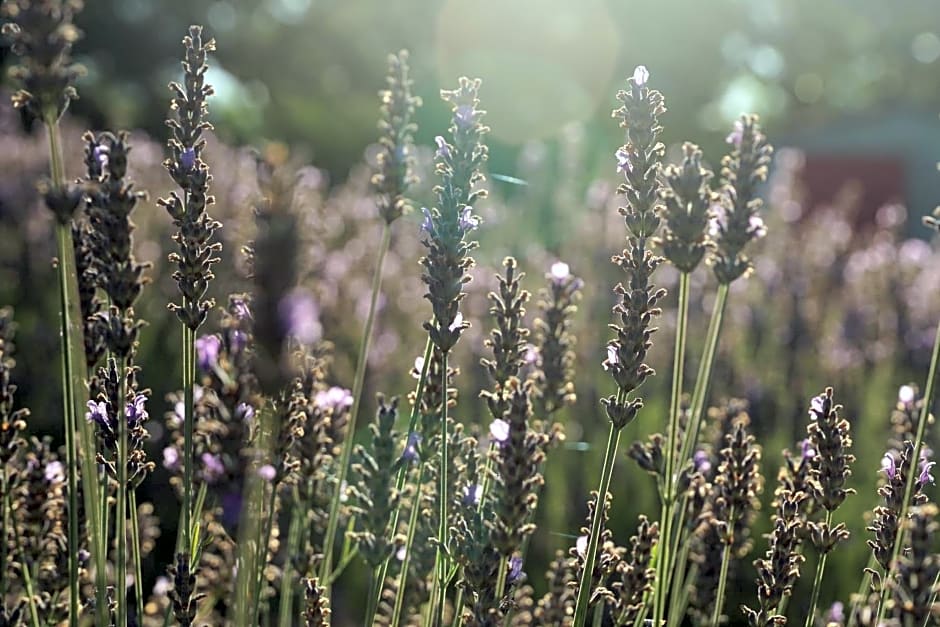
[
  {"x": 171, "y": 458},
  {"x": 468, "y": 221},
  {"x": 925, "y": 477},
  {"x": 806, "y": 449},
  {"x": 136, "y": 411},
  {"x": 624, "y": 164},
  {"x": 701, "y": 461},
  {"x": 612, "y": 358},
  {"x": 98, "y": 414},
  {"x": 581, "y": 545},
  {"x": 427, "y": 223},
  {"x": 756, "y": 226},
  {"x": 244, "y": 412},
  {"x": 335, "y": 398},
  {"x": 212, "y": 467},
  {"x": 54, "y": 472},
  {"x": 457, "y": 323},
  {"x": 499, "y": 431},
  {"x": 207, "y": 352},
  {"x": 889, "y": 465},
  {"x": 465, "y": 115},
  {"x": 906, "y": 395},
  {"x": 515, "y": 569},
  {"x": 267, "y": 472},
  {"x": 641, "y": 75},
  {"x": 419, "y": 367},
  {"x": 472, "y": 494},
  {"x": 817, "y": 406}
]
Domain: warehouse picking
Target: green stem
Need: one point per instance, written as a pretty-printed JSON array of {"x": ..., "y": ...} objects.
[
  {"x": 135, "y": 555},
  {"x": 4, "y": 529},
  {"x": 672, "y": 464},
  {"x": 817, "y": 582},
  {"x": 189, "y": 417},
  {"x": 74, "y": 375},
  {"x": 375, "y": 592},
  {"x": 922, "y": 419},
  {"x": 442, "y": 495},
  {"x": 264, "y": 539},
  {"x": 120, "y": 516},
  {"x": 584, "y": 587},
  {"x": 286, "y": 608},
  {"x": 723, "y": 576},
  {"x": 406, "y": 562},
  {"x": 31, "y": 599},
  {"x": 678, "y": 582},
  {"x": 364, "y": 342}
]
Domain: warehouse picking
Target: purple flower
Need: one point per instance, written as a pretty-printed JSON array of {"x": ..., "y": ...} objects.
[
  {"x": 267, "y": 472},
  {"x": 212, "y": 467},
  {"x": 244, "y": 412},
  {"x": 559, "y": 272},
  {"x": 300, "y": 317},
  {"x": 135, "y": 411},
  {"x": 467, "y": 221},
  {"x": 427, "y": 224},
  {"x": 98, "y": 414},
  {"x": 581, "y": 545},
  {"x": 171, "y": 459},
  {"x": 443, "y": 149},
  {"x": 612, "y": 358},
  {"x": 641, "y": 75},
  {"x": 756, "y": 227},
  {"x": 464, "y": 115},
  {"x": 335, "y": 399},
  {"x": 207, "y": 352},
  {"x": 701, "y": 461},
  {"x": 718, "y": 221},
  {"x": 906, "y": 395},
  {"x": 499, "y": 431},
  {"x": 457, "y": 323},
  {"x": 240, "y": 308},
  {"x": 836, "y": 613},
  {"x": 624, "y": 165},
  {"x": 889, "y": 466},
  {"x": 472, "y": 494},
  {"x": 818, "y": 405},
  {"x": 54, "y": 472},
  {"x": 101, "y": 153},
  {"x": 806, "y": 449},
  {"x": 515, "y": 569},
  {"x": 925, "y": 477},
  {"x": 531, "y": 355},
  {"x": 411, "y": 447},
  {"x": 736, "y": 135},
  {"x": 188, "y": 159}
]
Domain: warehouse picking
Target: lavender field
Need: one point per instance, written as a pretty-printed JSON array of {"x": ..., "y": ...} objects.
[{"x": 483, "y": 350}]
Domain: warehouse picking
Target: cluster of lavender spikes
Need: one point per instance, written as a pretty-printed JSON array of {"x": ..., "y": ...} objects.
[{"x": 259, "y": 438}]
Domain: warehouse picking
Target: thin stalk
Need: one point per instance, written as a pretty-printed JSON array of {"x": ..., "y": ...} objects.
[
  {"x": 406, "y": 562},
  {"x": 683, "y": 601},
  {"x": 74, "y": 375},
  {"x": 442, "y": 495},
  {"x": 678, "y": 585},
  {"x": 375, "y": 591},
  {"x": 120, "y": 516},
  {"x": 5, "y": 527},
  {"x": 195, "y": 547},
  {"x": 584, "y": 587},
  {"x": 429, "y": 617},
  {"x": 817, "y": 582},
  {"x": 358, "y": 381},
  {"x": 723, "y": 577},
  {"x": 598, "y": 615},
  {"x": 264, "y": 539},
  {"x": 286, "y": 607},
  {"x": 31, "y": 599},
  {"x": 501, "y": 577},
  {"x": 672, "y": 464},
  {"x": 135, "y": 555},
  {"x": 922, "y": 419},
  {"x": 189, "y": 417}
]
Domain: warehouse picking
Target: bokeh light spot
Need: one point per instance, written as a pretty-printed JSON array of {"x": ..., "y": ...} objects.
[{"x": 925, "y": 47}]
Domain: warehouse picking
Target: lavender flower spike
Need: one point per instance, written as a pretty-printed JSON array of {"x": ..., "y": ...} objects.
[{"x": 207, "y": 352}]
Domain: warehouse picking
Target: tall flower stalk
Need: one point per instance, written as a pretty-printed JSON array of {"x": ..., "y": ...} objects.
[
  {"x": 197, "y": 252},
  {"x": 446, "y": 227},
  {"x": 42, "y": 36},
  {"x": 639, "y": 162},
  {"x": 391, "y": 182}
]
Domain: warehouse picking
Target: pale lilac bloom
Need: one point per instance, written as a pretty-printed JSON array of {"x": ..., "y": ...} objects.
[
  {"x": 581, "y": 545},
  {"x": 179, "y": 412},
  {"x": 889, "y": 466},
  {"x": 718, "y": 221},
  {"x": 457, "y": 323},
  {"x": 427, "y": 224},
  {"x": 401, "y": 553},
  {"x": 245, "y": 412},
  {"x": 467, "y": 221},
  {"x": 188, "y": 159},
  {"x": 443, "y": 150},
  {"x": 300, "y": 317},
  {"x": 135, "y": 411},
  {"x": 641, "y": 75},
  {"x": 560, "y": 271},
  {"x": 212, "y": 467},
  {"x": 906, "y": 396},
  {"x": 756, "y": 226},
  {"x": 207, "y": 352},
  {"x": 335, "y": 398},
  {"x": 925, "y": 477},
  {"x": 101, "y": 154},
  {"x": 624, "y": 164},
  {"x": 171, "y": 459},
  {"x": 836, "y": 613},
  {"x": 240, "y": 308},
  {"x": 54, "y": 472},
  {"x": 464, "y": 115},
  {"x": 162, "y": 586},
  {"x": 499, "y": 431},
  {"x": 612, "y": 358},
  {"x": 701, "y": 461},
  {"x": 531, "y": 355},
  {"x": 817, "y": 405},
  {"x": 267, "y": 472},
  {"x": 807, "y": 450},
  {"x": 736, "y": 135},
  {"x": 98, "y": 414},
  {"x": 419, "y": 367}
]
